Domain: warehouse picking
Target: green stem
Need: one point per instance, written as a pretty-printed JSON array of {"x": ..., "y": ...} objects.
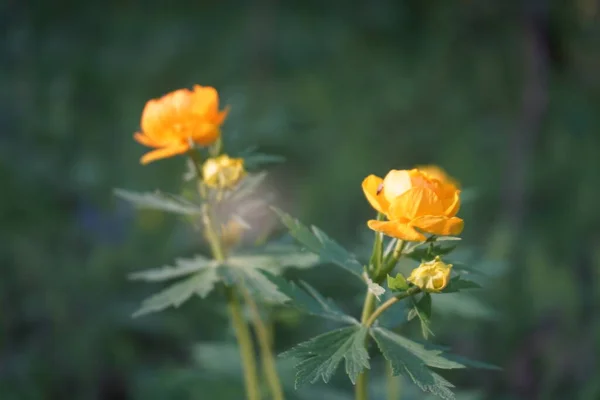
[
  {"x": 242, "y": 334},
  {"x": 362, "y": 381},
  {"x": 266, "y": 353},
  {"x": 390, "y": 302},
  {"x": 376, "y": 255},
  {"x": 391, "y": 262},
  {"x": 361, "y": 390},
  {"x": 392, "y": 383}
]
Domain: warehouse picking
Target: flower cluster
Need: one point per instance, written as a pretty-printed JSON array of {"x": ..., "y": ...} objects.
[{"x": 416, "y": 209}]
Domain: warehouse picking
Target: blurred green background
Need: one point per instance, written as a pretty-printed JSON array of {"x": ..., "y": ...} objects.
[{"x": 503, "y": 95}]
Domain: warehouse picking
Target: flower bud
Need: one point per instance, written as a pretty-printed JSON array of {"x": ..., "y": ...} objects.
[
  {"x": 223, "y": 172},
  {"x": 431, "y": 276}
]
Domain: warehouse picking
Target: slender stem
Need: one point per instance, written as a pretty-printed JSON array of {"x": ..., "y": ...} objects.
[
  {"x": 244, "y": 339},
  {"x": 361, "y": 390},
  {"x": 390, "y": 302},
  {"x": 376, "y": 255},
  {"x": 391, "y": 262},
  {"x": 242, "y": 332},
  {"x": 211, "y": 234},
  {"x": 266, "y": 353},
  {"x": 392, "y": 383}
]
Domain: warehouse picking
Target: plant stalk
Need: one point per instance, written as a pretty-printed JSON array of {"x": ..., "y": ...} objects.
[
  {"x": 266, "y": 352},
  {"x": 240, "y": 327},
  {"x": 392, "y": 383},
  {"x": 242, "y": 334},
  {"x": 390, "y": 302},
  {"x": 361, "y": 389}
]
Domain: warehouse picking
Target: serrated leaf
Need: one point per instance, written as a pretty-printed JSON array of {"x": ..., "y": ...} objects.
[
  {"x": 457, "y": 284},
  {"x": 422, "y": 309},
  {"x": 299, "y": 231},
  {"x": 321, "y": 244},
  {"x": 398, "y": 283},
  {"x": 447, "y": 238},
  {"x": 429, "y": 252},
  {"x": 201, "y": 284},
  {"x": 181, "y": 268},
  {"x": 411, "y": 361},
  {"x": 257, "y": 284},
  {"x": 307, "y": 299},
  {"x": 275, "y": 259},
  {"x": 255, "y": 160},
  {"x": 159, "y": 201},
  {"x": 320, "y": 356},
  {"x": 464, "y": 306},
  {"x": 467, "y": 362}
]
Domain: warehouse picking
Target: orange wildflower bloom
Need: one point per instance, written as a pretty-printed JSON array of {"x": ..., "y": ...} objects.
[
  {"x": 438, "y": 173},
  {"x": 413, "y": 199},
  {"x": 172, "y": 123}
]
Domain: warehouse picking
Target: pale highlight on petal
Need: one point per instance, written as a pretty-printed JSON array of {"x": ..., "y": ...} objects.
[{"x": 395, "y": 184}]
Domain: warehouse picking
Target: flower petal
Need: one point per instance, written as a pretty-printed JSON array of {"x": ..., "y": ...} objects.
[
  {"x": 165, "y": 152},
  {"x": 396, "y": 229},
  {"x": 451, "y": 203},
  {"x": 439, "y": 225},
  {"x": 395, "y": 183},
  {"x": 371, "y": 187},
  {"x": 145, "y": 140},
  {"x": 416, "y": 202},
  {"x": 205, "y": 133}
]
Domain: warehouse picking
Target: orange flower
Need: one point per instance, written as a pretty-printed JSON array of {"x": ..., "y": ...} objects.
[
  {"x": 413, "y": 199},
  {"x": 438, "y": 173},
  {"x": 172, "y": 123}
]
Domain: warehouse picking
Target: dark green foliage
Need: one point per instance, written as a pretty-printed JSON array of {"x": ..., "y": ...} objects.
[{"x": 319, "y": 357}]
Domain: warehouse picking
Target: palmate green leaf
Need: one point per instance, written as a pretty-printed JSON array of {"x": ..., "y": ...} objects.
[
  {"x": 253, "y": 159},
  {"x": 320, "y": 356},
  {"x": 307, "y": 299},
  {"x": 159, "y": 201},
  {"x": 257, "y": 284},
  {"x": 200, "y": 283},
  {"x": 457, "y": 284},
  {"x": 182, "y": 267},
  {"x": 274, "y": 258},
  {"x": 422, "y": 309},
  {"x": 318, "y": 242},
  {"x": 412, "y": 360}
]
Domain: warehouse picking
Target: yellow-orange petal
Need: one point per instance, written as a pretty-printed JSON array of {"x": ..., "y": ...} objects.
[
  {"x": 396, "y": 229},
  {"x": 205, "y": 133},
  {"x": 372, "y": 189},
  {"x": 165, "y": 152},
  {"x": 435, "y": 172},
  {"x": 145, "y": 140},
  {"x": 451, "y": 203},
  {"x": 416, "y": 202},
  {"x": 396, "y": 183},
  {"x": 439, "y": 225},
  {"x": 221, "y": 115}
]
